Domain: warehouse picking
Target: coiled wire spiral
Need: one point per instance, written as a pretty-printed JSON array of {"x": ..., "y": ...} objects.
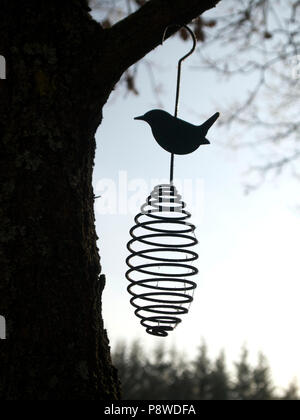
[{"x": 160, "y": 261}]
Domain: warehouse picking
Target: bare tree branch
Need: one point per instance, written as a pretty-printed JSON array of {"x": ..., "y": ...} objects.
[{"x": 139, "y": 33}]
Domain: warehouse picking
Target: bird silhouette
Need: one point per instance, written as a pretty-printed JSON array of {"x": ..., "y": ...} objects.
[{"x": 175, "y": 135}]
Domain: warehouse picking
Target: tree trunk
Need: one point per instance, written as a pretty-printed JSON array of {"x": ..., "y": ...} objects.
[{"x": 61, "y": 68}]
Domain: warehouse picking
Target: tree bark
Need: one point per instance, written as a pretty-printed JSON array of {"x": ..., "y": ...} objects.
[{"x": 61, "y": 68}]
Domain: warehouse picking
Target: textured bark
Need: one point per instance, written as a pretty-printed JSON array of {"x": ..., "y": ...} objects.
[{"x": 61, "y": 68}]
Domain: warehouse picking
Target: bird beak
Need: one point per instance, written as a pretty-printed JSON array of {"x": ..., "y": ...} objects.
[
  {"x": 140, "y": 118},
  {"x": 205, "y": 141}
]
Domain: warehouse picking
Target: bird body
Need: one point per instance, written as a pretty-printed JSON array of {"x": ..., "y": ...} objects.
[{"x": 175, "y": 135}]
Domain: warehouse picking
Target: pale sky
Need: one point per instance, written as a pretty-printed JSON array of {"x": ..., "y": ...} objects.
[{"x": 249, "y": 281}]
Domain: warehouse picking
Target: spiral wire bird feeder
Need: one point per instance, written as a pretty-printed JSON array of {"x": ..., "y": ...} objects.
[
  {"x": 158, "y": 272},
  {"x": 160, "y": 260}
]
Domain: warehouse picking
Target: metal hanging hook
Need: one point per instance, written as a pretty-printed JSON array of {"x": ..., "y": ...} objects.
[
  {"x": 179, "y": 79},
  {"x": 181, "y": 59}
]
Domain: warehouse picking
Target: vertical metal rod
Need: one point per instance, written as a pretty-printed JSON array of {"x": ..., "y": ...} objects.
[
  {"x": 178, "y": 83},
  {"x": 172, "y": 168}
]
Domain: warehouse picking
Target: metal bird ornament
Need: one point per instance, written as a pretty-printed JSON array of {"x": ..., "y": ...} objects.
[
  {"x": 175, "y": 135},
  {"x": 161, "y": 256}
]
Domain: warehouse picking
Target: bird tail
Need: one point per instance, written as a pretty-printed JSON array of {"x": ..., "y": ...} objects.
[{"x": 207, "y": 124}]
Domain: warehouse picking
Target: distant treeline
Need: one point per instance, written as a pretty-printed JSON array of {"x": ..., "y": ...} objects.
[{"x": 168, "y": 375}]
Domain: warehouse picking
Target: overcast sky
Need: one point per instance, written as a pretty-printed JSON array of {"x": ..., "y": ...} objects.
[{"x": 248, "y": 285}]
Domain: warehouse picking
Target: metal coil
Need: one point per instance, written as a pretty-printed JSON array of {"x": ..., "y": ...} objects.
[{"x": 160, "y": 261}]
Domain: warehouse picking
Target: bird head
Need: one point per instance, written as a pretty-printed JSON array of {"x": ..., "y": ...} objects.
[{"x": 152, "y": 116}]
